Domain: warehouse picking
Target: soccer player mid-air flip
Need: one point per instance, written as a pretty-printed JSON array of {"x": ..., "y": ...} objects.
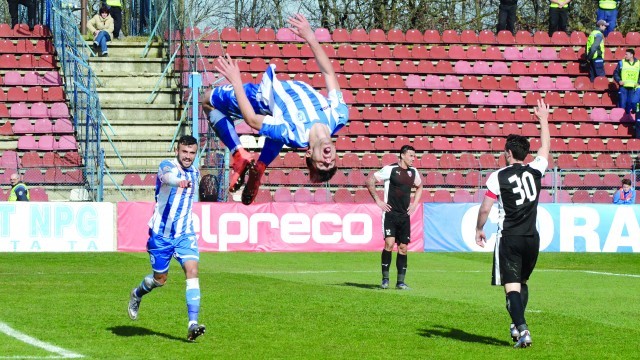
[{"x": 287, "y": 112}]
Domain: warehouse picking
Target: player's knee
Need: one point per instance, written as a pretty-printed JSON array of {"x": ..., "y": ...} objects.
[
  {"x": 156, "y": 281},
  {"x": 402, "y": 249}
]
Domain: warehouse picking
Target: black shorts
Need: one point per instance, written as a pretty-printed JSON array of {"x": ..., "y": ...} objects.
[
  {"x": 514, "y": 258},
  {"x": 398, "y": 227}
]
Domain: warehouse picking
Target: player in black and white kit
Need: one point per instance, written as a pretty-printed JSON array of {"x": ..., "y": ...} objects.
[
  {"x": 516, "y": 187},
  {"x": 397, "y": 207}
]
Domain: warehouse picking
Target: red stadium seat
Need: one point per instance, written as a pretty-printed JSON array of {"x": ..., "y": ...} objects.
[
  {"x": 282, "y": 195},
  {"x": 581, "y": 197},
  {"x": 416, "y": 37},
  {"x": 442, "y": 196}
]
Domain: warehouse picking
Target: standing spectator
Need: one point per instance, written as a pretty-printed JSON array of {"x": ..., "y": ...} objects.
[
  {"x": 627, "y": 75},
  {"x": 115, "y": 10},
  {"x": 397, "y": 208},
  {"x": 517, "y": 189},
  {"x": 19, "y": 191},
  {"x": 608, "y": 11},
  {"x": 101, "y": 26},
  {"x": 595, "y": 50},
  {"x": 507, "y": 15},
  {"x": 558, "y": 16},
  {"x": 31, "y": 12},
  {"x": 172, "y": 234},
  {"x": 625, "y": 195}
]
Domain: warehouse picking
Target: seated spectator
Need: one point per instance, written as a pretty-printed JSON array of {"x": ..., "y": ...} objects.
[
  {"x": 627, "y": 75},
  {"x": 19, "y": 191},
  {"x": 625, "y": 195},
  {"x": 101, "y": 26}
]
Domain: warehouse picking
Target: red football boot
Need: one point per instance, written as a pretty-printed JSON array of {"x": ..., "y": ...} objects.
[
  {"x": 253, "y": 184},
  {"x": 242, "y": 162}
]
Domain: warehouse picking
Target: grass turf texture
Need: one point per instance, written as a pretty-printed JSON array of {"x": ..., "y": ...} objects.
[{"x": 320, "y": 306}]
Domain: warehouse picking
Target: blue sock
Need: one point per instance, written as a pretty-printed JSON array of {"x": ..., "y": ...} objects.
[
  {"x": 224, "y": 129},
  {"x": 270, "y": 151},
  {"x": 193, "y": 300}
]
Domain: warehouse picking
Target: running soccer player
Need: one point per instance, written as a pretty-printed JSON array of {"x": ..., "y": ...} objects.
[
  {"x": 171, "y": 232},
  {"x": 516, "y": 187},
  {"x": 397, "y": 208},
  {"x": 288, "y": 113}
]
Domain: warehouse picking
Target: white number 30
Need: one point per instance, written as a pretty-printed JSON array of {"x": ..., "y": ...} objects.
[{"x": 525, "y": 186}]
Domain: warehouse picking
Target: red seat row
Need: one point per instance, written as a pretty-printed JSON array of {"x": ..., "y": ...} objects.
[
  {"x": 43, "y": 126},
  {"x": 31, "y": 78},
  {"x": 138, "y": 180},
  {"x": 22, "y": 31},
  {"x": 36, "y": 110},
  {"x": 47, "y": 143},
  {"x": 32, "y": 94},
  {"x": 417, "y": 37},
  {"x": 32, "y": 159},
  {"x": 53, "y": 176},
  {"x": 27, "y": 61},
  {"x": 26, "y": 46},
  {"x": 35, "y": 193}
]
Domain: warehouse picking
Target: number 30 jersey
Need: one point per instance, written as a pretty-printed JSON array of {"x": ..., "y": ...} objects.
[{"x": 517, "y": 189}]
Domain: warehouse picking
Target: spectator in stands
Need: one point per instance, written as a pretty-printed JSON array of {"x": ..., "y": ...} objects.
[
  {"x": 627, "y": 75},
  {"x": 19, "y": 191},
  {"x": 31, "y": 12},
  {"x": 101, "y": 26},
  {"x": 595, "y": 50},
  {"x": 115, "y": 10},
  {"x": 558, "y": 15},
  {"x": 625, "y": 195},
  {"x": 507, "y": 15},
  {"x": 288, "y": 113},
  {"x": 608, "y": 12},
  {"x": 397, "y": 208}
]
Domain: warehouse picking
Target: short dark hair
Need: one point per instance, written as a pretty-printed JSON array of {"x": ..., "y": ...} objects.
[
  {"x": 316, "y": 175},
  {"x": 405, "y": 148},
  {"x": 519, "y": 146},
  {"x": 631, "y": 51},
  {"x": 103, "y": 10},
  {"x": 626, "y": 182},
  {"x": 187, "y": 140}
]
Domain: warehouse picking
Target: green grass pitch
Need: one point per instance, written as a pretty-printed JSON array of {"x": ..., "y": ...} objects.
[{"x": 319, "y": 306}]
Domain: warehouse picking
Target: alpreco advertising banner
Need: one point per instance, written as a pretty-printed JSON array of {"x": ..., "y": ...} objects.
[
  {"x": 285, "y": 227},
  {"x": 56, "y": 227}
]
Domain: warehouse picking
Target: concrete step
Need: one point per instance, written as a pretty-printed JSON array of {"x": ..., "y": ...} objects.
[
  {"x": 145, "y": 80},
  {"x": 131, "y": 49},
  {"x": 133, "y": 193},
  {"x": 138, "y": 96},
  {"x": 118, "y": 112},
  {"x": 108, "y": 65}
]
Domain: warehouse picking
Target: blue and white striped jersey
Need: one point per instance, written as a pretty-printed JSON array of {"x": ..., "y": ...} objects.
[
  {"x": 172, "y": 214},
  {"x": 295, "y": 106}
]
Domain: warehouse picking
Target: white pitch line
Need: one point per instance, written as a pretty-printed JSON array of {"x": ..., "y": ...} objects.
[{"x": 64, "y": 354}]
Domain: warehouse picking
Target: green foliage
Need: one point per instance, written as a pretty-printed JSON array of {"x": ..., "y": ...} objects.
[{"x": 319, "y": 306}]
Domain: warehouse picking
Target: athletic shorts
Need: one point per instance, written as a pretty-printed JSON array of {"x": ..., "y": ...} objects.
[
  {"x": 514, "y": 258},
  {"x": 224, "y": 99},
  {"x": 162, "y": 249},
  {"x": 398, "y": 227}
]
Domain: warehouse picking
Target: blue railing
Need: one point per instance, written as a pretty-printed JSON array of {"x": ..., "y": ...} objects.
[{"x": 80, "y": 87}]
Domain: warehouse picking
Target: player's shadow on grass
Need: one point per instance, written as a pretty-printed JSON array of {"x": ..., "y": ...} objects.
[
  {"x": 128, "y": 331},
  {"x": 457, "y": 334},
  {"x": 361, "y": 286}
]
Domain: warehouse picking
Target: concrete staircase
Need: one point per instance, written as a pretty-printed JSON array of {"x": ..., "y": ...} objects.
[{"x": 143, "y": 131}]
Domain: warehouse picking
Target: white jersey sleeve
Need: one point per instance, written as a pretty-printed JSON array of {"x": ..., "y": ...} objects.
[
  {"x": 493, "y": 184},
  {"x": 540, "y": 164},
  {"x": 384, "y": 173}
]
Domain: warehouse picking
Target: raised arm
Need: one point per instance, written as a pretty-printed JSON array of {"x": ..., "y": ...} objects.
[
  {"x": 542, "y": 113},
  {"x": 229, "y": 68},
  {"x": 302, "y": 28}
]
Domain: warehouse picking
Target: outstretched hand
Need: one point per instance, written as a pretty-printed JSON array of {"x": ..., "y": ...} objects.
[
  {"x": 301, "y": 27},
  {"x": 542, "y": 111},
  {"x": 229, "y": 69}
]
